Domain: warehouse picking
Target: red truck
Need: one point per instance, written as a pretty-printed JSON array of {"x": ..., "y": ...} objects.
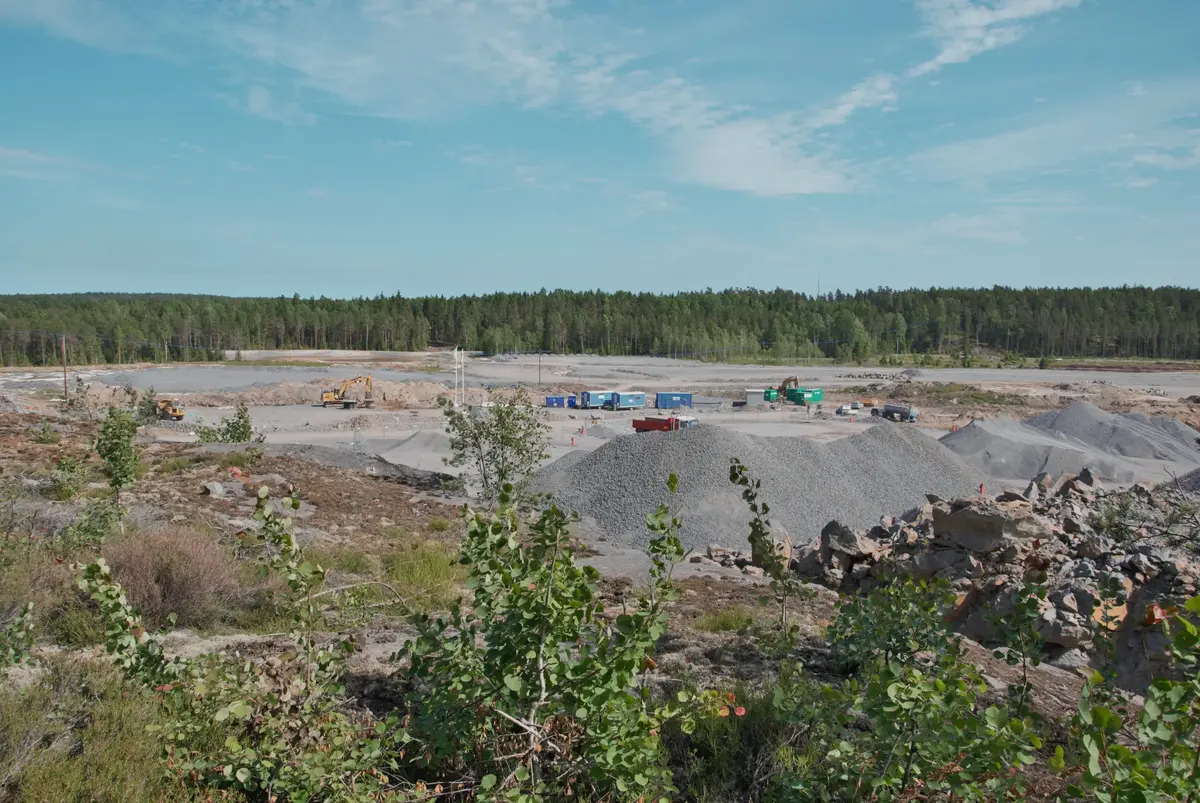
[{"x": 663, "y": 423}]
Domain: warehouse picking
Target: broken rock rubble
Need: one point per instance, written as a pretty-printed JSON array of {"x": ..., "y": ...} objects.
[{"x": 1071, "y": 534}]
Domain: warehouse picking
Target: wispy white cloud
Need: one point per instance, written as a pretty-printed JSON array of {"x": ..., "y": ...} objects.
[
  {"x": 30, "y": 165},
  {"x": 393, "y": 143},
  {"x": 965, "y": 29},
  {"x": 417, "y": 59},
  {"x": 1179, "y": 159},
  {"x": 1002, "y": 227},
  {"x": 193, "y": 148},
  {"x": 1112, "y": 125},
  {"x": 878, "y": 90},
  {"x": 259, "y": 102}
]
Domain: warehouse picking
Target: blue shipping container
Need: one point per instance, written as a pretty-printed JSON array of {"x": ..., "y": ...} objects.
[
  {"x": 594, "y": 399},
  {"x": 671, "y": 401},
  {"x": 556, "y": 401},
  {"x": 627, "y": 401},
  {"x": 572, "y": 401}
]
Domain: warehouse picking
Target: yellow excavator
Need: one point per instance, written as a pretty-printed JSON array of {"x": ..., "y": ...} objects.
[
  {"x": 338, "y": 395},
  {"x": 169, "y": 410}
]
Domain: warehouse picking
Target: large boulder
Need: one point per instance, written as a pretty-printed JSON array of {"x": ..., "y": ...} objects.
[
  {"x": 837, "y": 537},
  {"x": 984, "y": 526}
]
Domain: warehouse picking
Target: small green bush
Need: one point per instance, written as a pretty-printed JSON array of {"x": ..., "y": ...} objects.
[
  {"x": 67, "y": 478},
  {"x": 46, "y": 434},
  {"x": 235, "y": 429},
  {"x": 439, "y": 525}
]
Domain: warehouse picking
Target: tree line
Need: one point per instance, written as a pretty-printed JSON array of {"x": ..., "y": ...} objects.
[{"x": 1103, "y": 322}]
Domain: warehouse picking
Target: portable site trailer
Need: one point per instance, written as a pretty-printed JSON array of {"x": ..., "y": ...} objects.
[
  {"x": 556, "y": 401},
  {"x": 594, "y": 399},
  {"x": 671, "y": 400},
  {"x": 755, "y": 397},
  {"x": 625, "y": 400}
]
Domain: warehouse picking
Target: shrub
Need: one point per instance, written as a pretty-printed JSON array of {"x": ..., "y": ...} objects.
[
  {"x": 439, "y": 525},
  {"x": 114, "y": 444},
  {"x": 235, "y": 429},
  {"x": 175, "y": 571},
  {"x": 68, "y": 477},
  {"x": 46, "y": 434}
]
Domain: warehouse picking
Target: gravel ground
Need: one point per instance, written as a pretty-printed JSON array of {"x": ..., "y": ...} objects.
[{"x": 885, "y": 470}]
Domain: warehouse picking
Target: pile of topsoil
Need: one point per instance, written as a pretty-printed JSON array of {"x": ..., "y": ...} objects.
[
  {"x": 885, "y": 470},
  {"x": 1117, "y": 447}
]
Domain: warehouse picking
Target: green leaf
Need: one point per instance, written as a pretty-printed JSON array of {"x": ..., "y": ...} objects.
[
  {"x": 240, "y": 709},
  {"x": 522, "y": 773},
  {"x": 673, "y": 483},
  {"x": 233, "y": 744},
  {"x": 1193, "y": 605},
  {"x": 513, "y": 682},
  {"x": 581, "y": 713},
  {"x": 488, "y": 781},
  {"x": 243, "y": 775}
]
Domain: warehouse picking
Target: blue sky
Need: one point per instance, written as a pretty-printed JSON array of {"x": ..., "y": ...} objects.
[{"x": 352, "y": 147}]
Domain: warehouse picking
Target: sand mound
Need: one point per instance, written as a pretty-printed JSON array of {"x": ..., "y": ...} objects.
[{"x": 884, "y": 470}]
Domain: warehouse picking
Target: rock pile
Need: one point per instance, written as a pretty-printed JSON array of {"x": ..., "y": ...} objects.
[{"x": 1071, "y": 534}]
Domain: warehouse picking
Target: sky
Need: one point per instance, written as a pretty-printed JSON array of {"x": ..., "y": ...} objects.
[{"x": 357, "y": 147}]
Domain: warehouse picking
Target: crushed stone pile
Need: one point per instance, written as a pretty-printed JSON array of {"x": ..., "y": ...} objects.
[
  {"x": 1077, "y": 437},
  {"x": 1125, "y": 434},
  {"x": 1013, "y": 450},
  {"x": 858, "y": 479},
  {"x": 424, "y": 450},
  {"x": 1190, "y": 482},
  {"x": 604, "y": 431}
]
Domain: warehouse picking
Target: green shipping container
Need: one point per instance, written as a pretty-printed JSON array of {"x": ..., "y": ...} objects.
[
  {"x": 814, "y": 395},
  {"x": 770, "y": 394}
]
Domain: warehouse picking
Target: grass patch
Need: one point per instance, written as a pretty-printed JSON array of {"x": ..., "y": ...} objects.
[
  {"x": 726, "y": 620},
  {"x": 74, "y": 624},
  {"x": 172, "y": 465},
  {"x": 426, "y": 574},
  {"x": 245, "y": 458},
  {"x": 439, "y": 525},
  {"x": 350, "y": 561},
  {"x": 956, "y": 392},
  {"x": 79, "y": 735}
]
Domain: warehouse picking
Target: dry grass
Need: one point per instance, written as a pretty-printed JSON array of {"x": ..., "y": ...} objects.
[{"x": 176, "y": 571}]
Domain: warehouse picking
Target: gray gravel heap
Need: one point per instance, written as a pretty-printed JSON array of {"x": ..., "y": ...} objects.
[
  {"x": 885, "y": 470},
  {"x": 1068, "y": 440},
  {"x": 1125, "y": 434},
  {"x": 1190, "y": 482},
  {"x": 1013, "y": 450}
]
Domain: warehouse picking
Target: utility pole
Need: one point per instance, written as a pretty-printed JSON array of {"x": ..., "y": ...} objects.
[
  {"x": 539, "y": 369},
  {"x": 64, "y": 351}
]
